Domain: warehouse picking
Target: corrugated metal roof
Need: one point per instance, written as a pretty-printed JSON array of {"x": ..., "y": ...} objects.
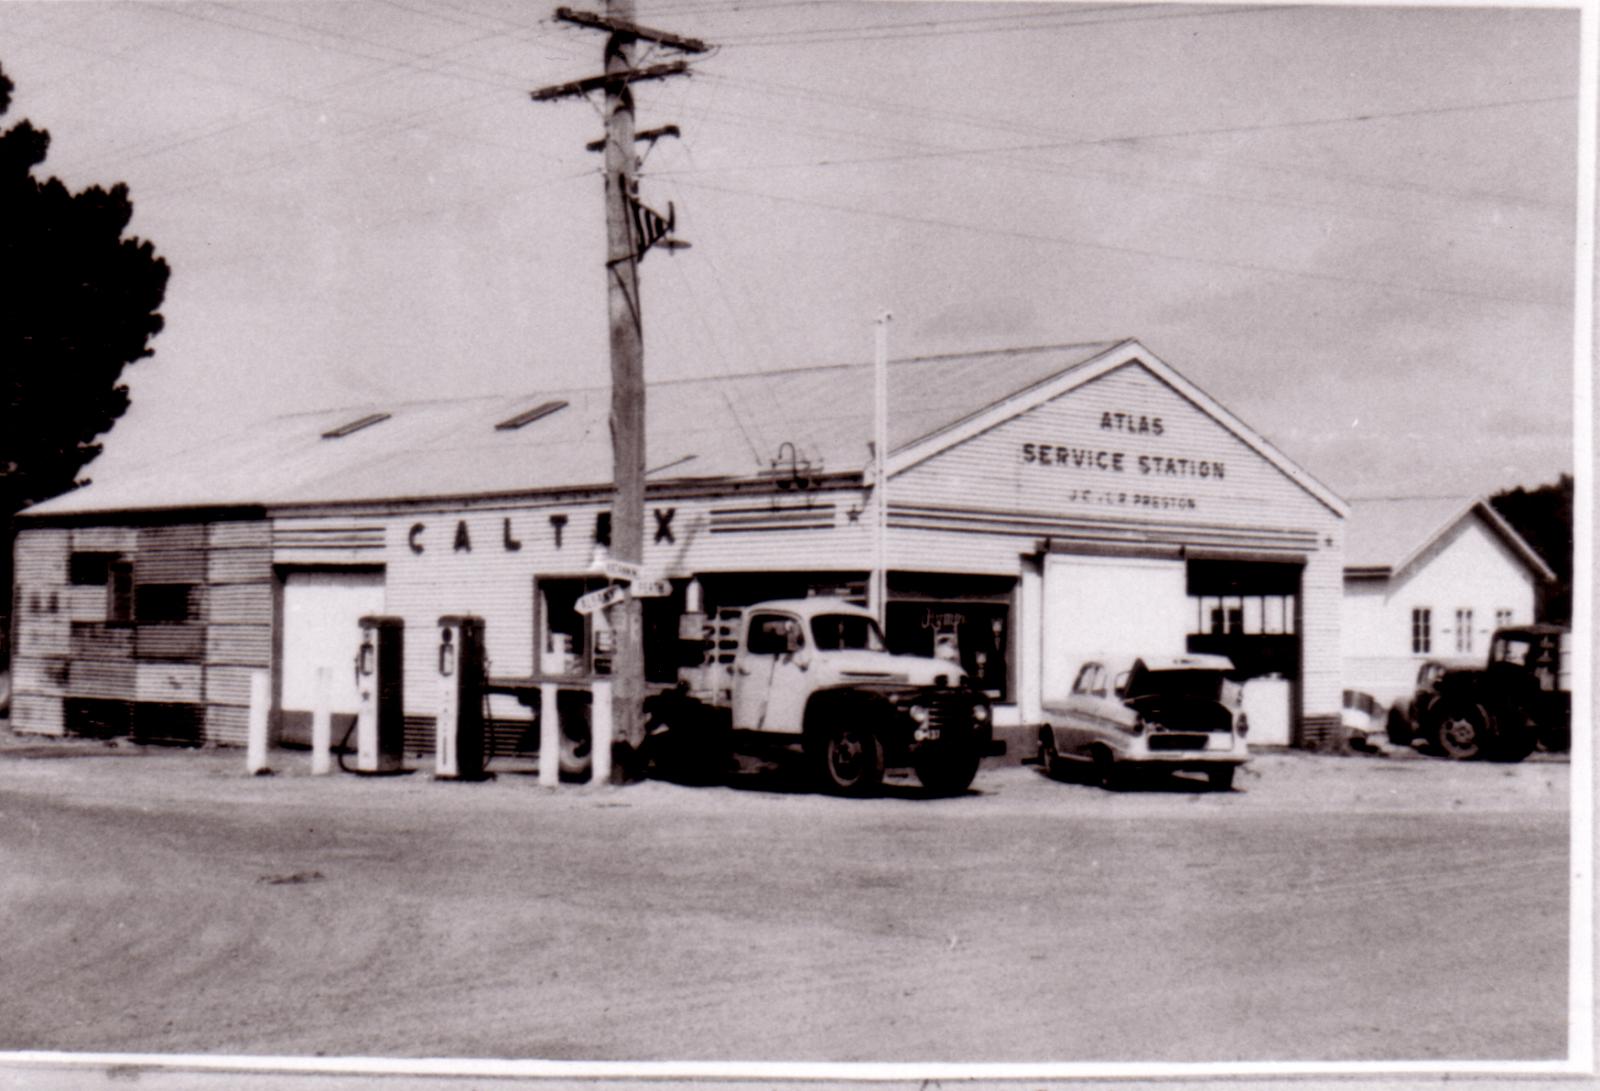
[
  {"x": 710, "y": 427},
  {"x": 1387, "y": 534}
]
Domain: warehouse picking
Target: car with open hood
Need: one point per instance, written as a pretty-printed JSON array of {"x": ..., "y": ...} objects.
[{"x": 1153, "y": 713}]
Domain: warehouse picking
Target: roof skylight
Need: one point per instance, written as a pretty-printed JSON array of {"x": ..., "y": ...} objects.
[
  {"x": 529, "y": 416},
  {"x": 356, "y": 425}
]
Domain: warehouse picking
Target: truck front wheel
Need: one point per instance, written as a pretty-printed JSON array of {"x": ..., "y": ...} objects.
[
  {"x": 947, "y": 770},
  {"x": 851, "y": 760},
  {"x": 1462, "y": 730}
]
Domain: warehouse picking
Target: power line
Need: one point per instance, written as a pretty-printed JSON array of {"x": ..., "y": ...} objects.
[{"x": 931, "y": 221}]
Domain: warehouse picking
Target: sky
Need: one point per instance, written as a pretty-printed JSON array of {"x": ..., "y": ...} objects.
[{"x": 1353, "y": 226}]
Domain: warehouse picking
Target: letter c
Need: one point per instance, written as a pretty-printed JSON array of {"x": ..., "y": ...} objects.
[{"x": 415, "y": 536}]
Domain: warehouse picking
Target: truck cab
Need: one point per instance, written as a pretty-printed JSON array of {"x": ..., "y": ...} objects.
[{"x": 815, "y": 673}]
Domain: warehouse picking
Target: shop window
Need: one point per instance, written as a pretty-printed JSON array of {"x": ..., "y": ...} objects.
[
  {"x": 1421, "y": 631},
  {"x": 973, "y": 635},
  {"x": 574, "y": 644},
  {"x": 1464, "y": 631}
]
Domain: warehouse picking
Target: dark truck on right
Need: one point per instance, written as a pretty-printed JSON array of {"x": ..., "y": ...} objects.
[{"x": 1519, "y": 700}]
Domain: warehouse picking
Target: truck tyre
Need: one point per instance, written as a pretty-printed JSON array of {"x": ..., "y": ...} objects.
[
  {"x": 1463, "y": 730},
  {"x": 850, "y": 760},
  {"x": 575, "y": 747},
  {"x": 1516, "y": 739},
  {"x": 1397, "y": 725},
  {"x": 947, "y": 771},
  {"x": 683, "y": 748}
]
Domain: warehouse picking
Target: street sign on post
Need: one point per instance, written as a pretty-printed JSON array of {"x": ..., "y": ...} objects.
[
  {"x": 651, "y": 589},
  {"x": 622, "y": 571},
  {"x": 596, "y": 601}
]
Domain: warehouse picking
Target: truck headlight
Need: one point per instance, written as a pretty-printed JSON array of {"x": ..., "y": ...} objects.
[
  {"x": 980, "y": 713},
  {"x": 918, "y": 714}
]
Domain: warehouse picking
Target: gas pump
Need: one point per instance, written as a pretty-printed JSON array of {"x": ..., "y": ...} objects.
[
  {"x": 458, "y": 745},
  {"x": 380, "y": 719}
]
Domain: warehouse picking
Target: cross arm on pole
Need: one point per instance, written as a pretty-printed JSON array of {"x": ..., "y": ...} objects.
[
  {"x": 610, "y": 80},
  {"x": 632, "y": 30}
]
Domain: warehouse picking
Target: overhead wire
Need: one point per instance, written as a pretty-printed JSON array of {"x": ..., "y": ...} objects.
[{"x": 932, "y": 221}]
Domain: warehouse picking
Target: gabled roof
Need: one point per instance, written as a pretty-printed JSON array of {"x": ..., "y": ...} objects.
[
  {"x": 1110, "y": 358},
  {"x": 713, "y": 428},
  {"x": 1385, "y": 536}
]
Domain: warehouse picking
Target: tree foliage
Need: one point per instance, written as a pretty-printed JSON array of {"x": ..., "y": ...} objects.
[
  {"x": 80, "y": 303},
  {"x": 1543, "y": 516}
]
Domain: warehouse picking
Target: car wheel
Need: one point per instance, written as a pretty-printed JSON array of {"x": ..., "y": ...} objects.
[
  {"x": 1107, "y": 773},
  {"x": 1462, "y": 731},
  {"x": 1221, "y": 780},
  {"x": 851, "y": 760},
  {"x": 1049, "y": 760}
]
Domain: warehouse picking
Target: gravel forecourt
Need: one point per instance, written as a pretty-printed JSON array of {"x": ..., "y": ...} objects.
[{"x": 1330, "y": 908}]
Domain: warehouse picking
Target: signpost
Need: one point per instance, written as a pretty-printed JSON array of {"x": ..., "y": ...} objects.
[{"x": 596, "y": 601}]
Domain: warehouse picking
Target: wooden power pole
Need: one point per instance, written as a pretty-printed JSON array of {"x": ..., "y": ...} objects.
[{"x": 631, "y": 229}]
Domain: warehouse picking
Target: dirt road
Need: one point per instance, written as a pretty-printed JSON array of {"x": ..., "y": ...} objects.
[{"x": 1329, "y": 909}]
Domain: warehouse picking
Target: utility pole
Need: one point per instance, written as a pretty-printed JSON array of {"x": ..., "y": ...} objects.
[
  {"x": 631, "y": 229},
  {"x": 878, "y": 585}
]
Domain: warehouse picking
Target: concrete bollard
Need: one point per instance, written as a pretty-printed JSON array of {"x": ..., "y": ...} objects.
[
  {"x": 260, "y": 706},
  {"x": 549, "y": 737},
  {"x": 322, "y": 725},
  {"x": 600, "y": 732}
]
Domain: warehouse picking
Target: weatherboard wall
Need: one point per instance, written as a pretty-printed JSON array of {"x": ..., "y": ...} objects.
[{"x": 82, "y": 665}]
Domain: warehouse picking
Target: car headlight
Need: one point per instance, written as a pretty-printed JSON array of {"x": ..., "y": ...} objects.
[
  {"x": 980, "y": 713},
  {"x": 1244, "y": 725},
  {"x": 918, "y": 714},
  {"x": 1138, "y": 726}
]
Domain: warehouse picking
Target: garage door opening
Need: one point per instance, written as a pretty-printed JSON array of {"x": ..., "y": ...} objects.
[
  {"x": 321, "y": 614},
  {"x": 1249, "y": 611}
]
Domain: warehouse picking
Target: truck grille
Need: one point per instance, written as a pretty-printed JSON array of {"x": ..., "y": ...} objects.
[{"x": 946, "y": 710}]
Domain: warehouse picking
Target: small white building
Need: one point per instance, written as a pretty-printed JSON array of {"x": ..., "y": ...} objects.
[{"x": 1428, "y": 578}]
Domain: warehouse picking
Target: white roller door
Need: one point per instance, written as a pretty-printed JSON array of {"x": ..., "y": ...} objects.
[
  {"x": 321, "y": 614},
  {"x": 1097, "y": 606}
]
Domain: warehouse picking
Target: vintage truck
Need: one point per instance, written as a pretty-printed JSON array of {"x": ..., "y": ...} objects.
[
  {"x": 1518, "y": 700},
  {"x": 813, "y": 677}
]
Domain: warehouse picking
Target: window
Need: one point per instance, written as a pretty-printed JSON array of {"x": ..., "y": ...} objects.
[
  {"x": 1421, "y": 631},
  {"x": 774, "y": 634},
  {"x": 1502, "y": 618},
  {"x": 1246, "y": 615},
  {"x": 1464, "y": 630},
  {"x": 162, "y": 603},
  {"x": 844, "y": 632},
  {"x": 119, "y": 592},
  {"x": 90, "y": 569}
]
